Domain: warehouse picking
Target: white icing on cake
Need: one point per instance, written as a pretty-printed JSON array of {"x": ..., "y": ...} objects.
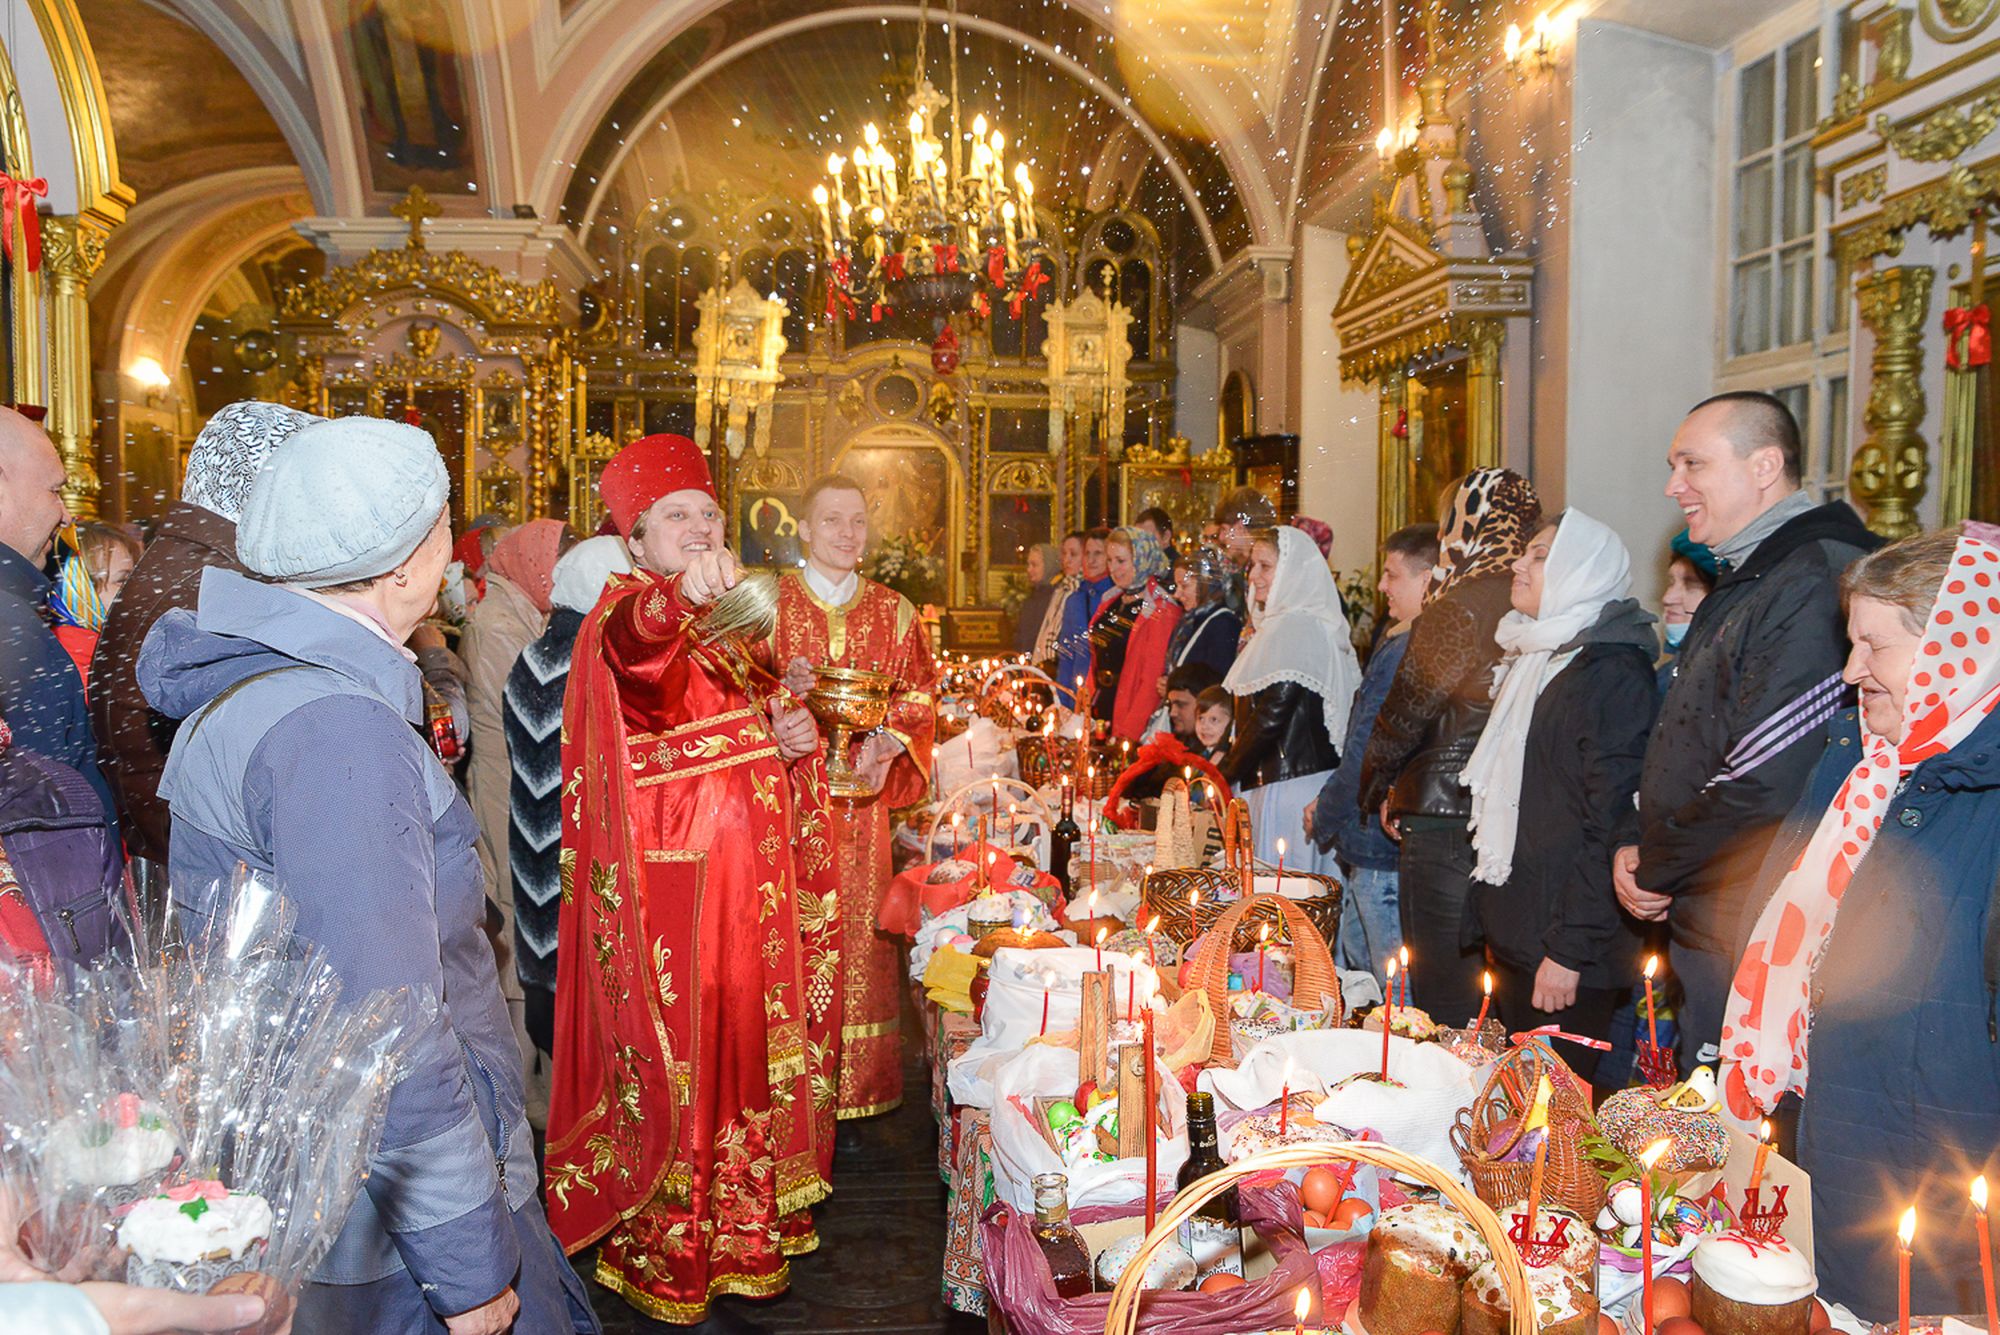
[
  {"x": 1410, "y": 1022},
  {"x": 1753, "y": 1270},
  {"x": 1432, "y": 1228},
  {"x": 1170, "y": 1268},
  {"x": 93, "y": 1150},
  {"x": 162, "y": 1229},
  {"x": 1579, "y": 1253},
  {"x": 1259, "y": 1131},
  {"x": 1557, "y": 1294},
  {"x": 989, "y": 909}
]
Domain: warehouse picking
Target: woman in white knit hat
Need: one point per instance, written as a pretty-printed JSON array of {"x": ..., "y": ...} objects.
[{"x": 302, "y": 755}]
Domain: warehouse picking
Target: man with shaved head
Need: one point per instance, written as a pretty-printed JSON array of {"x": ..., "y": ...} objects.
[
  {"x": 1756, "y": 682},
  {"x": 41, "y": 695}
]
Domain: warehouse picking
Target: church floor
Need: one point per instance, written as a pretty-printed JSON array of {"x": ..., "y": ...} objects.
[{"x": 879, "y": 1263}]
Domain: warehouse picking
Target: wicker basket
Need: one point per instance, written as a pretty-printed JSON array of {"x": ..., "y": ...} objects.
[
  {"x": 1572, "y": 1180},
  {"x": 1313, "y": 974},
  {"x": 1036, "y": 754},
  {"x": 1166, "y": 893},
  {"x": 1123, "y": 1318}
]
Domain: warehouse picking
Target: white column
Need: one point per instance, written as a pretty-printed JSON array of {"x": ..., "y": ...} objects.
[{"x": 1336, "y": 425}]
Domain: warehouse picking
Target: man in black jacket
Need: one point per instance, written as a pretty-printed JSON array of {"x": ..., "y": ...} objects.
[{"x": 1756, "y": 682}]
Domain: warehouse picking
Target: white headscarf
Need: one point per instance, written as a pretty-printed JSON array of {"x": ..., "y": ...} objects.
[
  {"x": 1302, "y": 635},
  {"x": 1587, "y": 568},
  {"x": 582, "y": 572}
]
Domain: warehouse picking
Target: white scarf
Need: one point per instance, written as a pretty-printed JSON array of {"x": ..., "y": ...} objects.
[
  {"x": 1587, "y": 568},
  {"x": 1302, "y": 635}
]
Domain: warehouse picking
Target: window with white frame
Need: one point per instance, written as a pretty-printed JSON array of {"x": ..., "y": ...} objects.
[{"x": 1785, "y": 300}]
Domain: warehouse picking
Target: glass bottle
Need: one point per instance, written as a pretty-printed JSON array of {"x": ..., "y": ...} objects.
[
  {"x": 1062, "y": 840},
  {"x": 1062, "y": 1246},
  {"x": 1213, "y": 1235}
]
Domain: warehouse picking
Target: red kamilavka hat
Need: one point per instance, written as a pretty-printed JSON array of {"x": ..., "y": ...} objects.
[{"x": 647, "y": 469}]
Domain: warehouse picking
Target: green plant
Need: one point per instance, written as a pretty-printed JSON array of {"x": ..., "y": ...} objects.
[{"x": 905, "y": 566}]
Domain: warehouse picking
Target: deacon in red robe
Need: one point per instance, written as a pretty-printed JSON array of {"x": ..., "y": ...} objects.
[
  {"x": 830, "y": 616},
  {"x": 682, "y": 1133}
]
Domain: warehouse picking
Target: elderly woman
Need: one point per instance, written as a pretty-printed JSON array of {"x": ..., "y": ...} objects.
[
  {"x": 1895, "y": 836},
  {"x": 301, "y": 755},
  {"x": 1044, "y": 571},
  {"x": 1130, "y": 633},
  {"x": 1211, "y": 627},
  {"x": 1294, "y": 685}
]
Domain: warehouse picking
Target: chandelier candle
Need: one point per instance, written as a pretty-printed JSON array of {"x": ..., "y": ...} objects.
[{"x": 1985, "y": 1251}]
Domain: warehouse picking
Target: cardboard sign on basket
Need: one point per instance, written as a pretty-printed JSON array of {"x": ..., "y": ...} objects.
[{"x": 1778, "y": 1172}]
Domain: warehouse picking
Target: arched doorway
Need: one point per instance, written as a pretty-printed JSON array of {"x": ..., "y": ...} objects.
[{"x": 915, "y": 489}]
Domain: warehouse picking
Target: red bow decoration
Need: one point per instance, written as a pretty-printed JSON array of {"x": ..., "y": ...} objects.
[
  {"x": 413, "y": 416},
  {"x": 893, "y": 267},
  {"x": 1162, "y": 749},
  {"x": 982, "y": 305},
  {"x": 996, "y": 266},
  {"x": 836, "y": 290},
  {"x": 1401, "y": 431},
  {"x": 877, "y": 311},
  {"x": 1187, "y": 477},
  {"x": 1032, "y": 281},
  {"x": 1021, "y": 506},
  {"x": 947, "y": 258},
  {"x": 1975, "y": 323},
  {"x": 18, "y": 195}
]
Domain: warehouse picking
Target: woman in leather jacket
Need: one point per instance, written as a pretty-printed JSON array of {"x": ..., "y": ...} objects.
[
  {"x": 1294, "y": 684},
  {"x": 1430, "y": 723}
]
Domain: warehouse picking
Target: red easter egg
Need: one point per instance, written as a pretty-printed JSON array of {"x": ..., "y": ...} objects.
[
  {"x": 1819, "y": 1319},
  {"x": 1221, "y": 1280},
  {"x": 1320, "y": 1192},
  {"x": 1348, "y": 1213},
  {"x": 1670, "y": 1299},
  {"x": 1679, "y": 1325},
  {"x": 1605, "y": 1325}
]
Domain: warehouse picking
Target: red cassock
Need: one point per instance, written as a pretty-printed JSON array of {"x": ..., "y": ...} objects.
[
  {"x": 876, "y": 630},
  {"x": 682, "y": 1124}
]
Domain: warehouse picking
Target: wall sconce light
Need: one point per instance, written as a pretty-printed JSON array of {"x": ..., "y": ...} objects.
[
  {"x": 1534, "y": 53},
  {"x": 150, "y": 376}
]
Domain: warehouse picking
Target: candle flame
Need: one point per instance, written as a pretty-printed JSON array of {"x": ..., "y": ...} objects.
[
  {"x": 1764, "y": 1131},
  {"x": 1153, "y": 925},
  {"x": 1906, "y": 1231},
  {"x": 1655, "y": 1152},
  {"x": 1263, "y": 933},
  {"x": 1102, "y": 932},
  {"x": 1652, "y": 965},
  {"x": 1979, "y": 1193},
  {"x": 1392, "y": 966},
  {"x": 1303, "y": 1304},
  {"x": 1486, "y": 980},
  {"x": 1281, "y": 848}
]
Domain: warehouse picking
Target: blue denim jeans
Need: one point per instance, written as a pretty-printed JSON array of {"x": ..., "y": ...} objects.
[{"x": 1370, "y": 926}]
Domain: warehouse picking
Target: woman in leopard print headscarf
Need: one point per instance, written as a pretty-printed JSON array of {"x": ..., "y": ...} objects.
[
  {"x": 1493, "y": 513},
  {"x": 1431, "y": 722}
]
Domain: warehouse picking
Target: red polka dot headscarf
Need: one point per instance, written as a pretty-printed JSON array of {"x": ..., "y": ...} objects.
[{"x": 1954, "y": 684}]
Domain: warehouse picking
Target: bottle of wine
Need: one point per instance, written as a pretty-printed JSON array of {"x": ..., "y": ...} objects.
[
  {"x": 1062, "y": 840},
  {"x": 1062, "y": 1246},
  {"x": 1213, "y": 1235}
]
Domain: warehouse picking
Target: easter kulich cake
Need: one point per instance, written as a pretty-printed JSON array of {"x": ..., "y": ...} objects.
[
  {"x": 1410, "y": 1023},
  {"x": 1745, "y": 1285},
  {"x": 1564, "y": 1305},
  {"x": 1169, "y": 1268},
  {"x": 1419, "y": 1257},
  {"x": 1581, "y": 1244},
  {"x": 190, "y": 1236},
  {"x": 128, "y": 1143},
  {"x": 1688, "y": 1115},
  {"x": 1259, "y": 1131}
]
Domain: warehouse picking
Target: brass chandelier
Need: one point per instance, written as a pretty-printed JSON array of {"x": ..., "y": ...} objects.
[{"x": 937, "y": 225}]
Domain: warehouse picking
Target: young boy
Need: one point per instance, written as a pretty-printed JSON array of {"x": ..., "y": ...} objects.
[{"x": 1214, "y": 719}]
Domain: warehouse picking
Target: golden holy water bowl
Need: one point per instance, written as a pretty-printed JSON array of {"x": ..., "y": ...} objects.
[{"x": 847, "y": 701}]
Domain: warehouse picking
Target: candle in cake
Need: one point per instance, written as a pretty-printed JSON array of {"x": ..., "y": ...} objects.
[
  {"x": 1263, "y": 935},
  {"x": 1285, "y": 1098},
  {"x": 1152, "y": 956},
  {"x": 1651, "y": 1156},
  {"x": 1013, "y": 815},
  {"x": 1906, "y": 1233},
  {"x": 956, "y": 817},
  {"x": 1763, "y": 1153},
  {"x": 1152, "y": 1118},
  {"x": 1652, "y": 1020},
  {"x": 1099, "y": 944},
  {"x": 1131, "y": 994},
  {"x": 1403, "y": 958},
  {"x": 1045, "y": 1013},
  {"x": 1485, "y": 982},
  {"x": 1280, "y": 887},
  {"x": 1985, "y": 1252},
  {"x": 1388, "y": 1015},
  {"x": 1299, "y": 1310}
]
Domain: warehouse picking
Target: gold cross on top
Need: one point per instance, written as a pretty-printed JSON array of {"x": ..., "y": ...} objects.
[{"x": 416, "y": 208}]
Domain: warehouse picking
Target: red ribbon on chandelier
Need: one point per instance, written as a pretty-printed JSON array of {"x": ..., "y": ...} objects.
[
  {"x": 836, "y": 290},
  {"x": 18, "y": 196},
  {"x": 1032, "y": 281},
  {"x": 1974, "y": 324}
]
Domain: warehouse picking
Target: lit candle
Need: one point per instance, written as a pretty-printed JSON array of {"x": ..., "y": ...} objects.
[
  {"x": 825, "y": 218},
  {"x": 1906, "y": 1233},
  {"x": 1763, "y": 1153},
  {"x": 1299, "y": 1310},
  {"x": 1985, "y": 1252},
  {"x": 1263, "y": 935},
  {"x": 1403, "y": 956},
  {"x": 1652, "y": 1155},
  {"x": 1652, "y": 1020},
  {"x": 956, "y": 817},
  {"x": 1281, "y": 867},
  {"x": 1285, "y": 1098},
  {"x": 1388, "y": 1016},
  {"x": 1486, "y": 982},
  {"x": 1099, "y": 944},
  {"x": 1152, "y": 1117},
  {"x": 1152, "y": 926},
  {"x": 1131, "y": 994}
]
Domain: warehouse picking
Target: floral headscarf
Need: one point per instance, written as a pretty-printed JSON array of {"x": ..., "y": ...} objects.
[
  {"x": 1149, "y": 559},
  {"x": 1493, "y": 514},
  {"x": 1954, "y": 684}
]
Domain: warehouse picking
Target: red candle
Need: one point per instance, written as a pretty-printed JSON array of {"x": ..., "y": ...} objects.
[
  {"x": 1403, "y": 957},
  {"x": 1152, "y": 1115},
  {"x": 1388, "y": 1017},
  {"x": 1652, "y": 1155},
  {"x": 1285, "y": 1100},
  {"x": 1763, "y": 1153},
  {"x": 1131, "y": 994},
  {"x": 1098, "y": 945},
  {"x": 1485, "y": 981},
  {"x": 1652, "y": 1020},
  {"x": 1906, "y": 1233},
  {"x": 1263, "y": 935},
  {"x": 1281, "y": 867},
  {"x": 1045, "y": 1012},
  {"x": 1153, "y": 957},
  {"x": 1985, "y": 1252},
  {"x": 1299, "y": 1310}
]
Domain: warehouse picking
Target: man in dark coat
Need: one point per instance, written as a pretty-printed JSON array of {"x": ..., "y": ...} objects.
[
  {"x": 41, "y": 695},
  {"x": 1757, "y": 680},
  {"x": 197, "y": 532}
]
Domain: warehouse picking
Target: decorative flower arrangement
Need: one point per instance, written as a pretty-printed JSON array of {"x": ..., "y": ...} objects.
[{"x": 905, "y": 566}]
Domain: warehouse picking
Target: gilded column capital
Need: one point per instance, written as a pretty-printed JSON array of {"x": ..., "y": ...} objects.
[
  {"x": 72, "y": 247},
  {"x": 1890, "y": 469}
]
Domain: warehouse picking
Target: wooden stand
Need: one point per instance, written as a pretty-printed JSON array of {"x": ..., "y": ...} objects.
[
  {"x": 1132, "y": 1100},
  {"x": 1093, "y": 1032}
]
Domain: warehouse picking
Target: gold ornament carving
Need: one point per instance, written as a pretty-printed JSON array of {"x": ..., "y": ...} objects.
[
  {"x": 1956, "y": 20},
  {"x": 1945, "y": 206},
  {"x": 423, "y": 337},
  {"x": 451, "y": 274},
  {"x": 1024, "y": 475},
  {"x": 71, "y": 247},
  {"x": 1891, "y": 467},
  {"x": 1864, "y": 186},
  {"x": 1892, "y": 48},
  {"x": 1945, "y": 133}
]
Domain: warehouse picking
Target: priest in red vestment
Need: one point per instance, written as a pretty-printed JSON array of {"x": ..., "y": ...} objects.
[
  {"x": 829, "y": 616},
  {"x": 682, "y": 1135}
]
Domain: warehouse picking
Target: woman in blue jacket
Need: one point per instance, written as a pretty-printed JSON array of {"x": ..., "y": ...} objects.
[{"x": 1872, "y": 969}]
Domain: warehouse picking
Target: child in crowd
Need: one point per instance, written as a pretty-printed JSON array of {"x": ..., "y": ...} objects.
[{"x": 1214, "y": 722}]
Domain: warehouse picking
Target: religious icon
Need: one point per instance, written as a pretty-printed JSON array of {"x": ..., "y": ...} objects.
[{"x": 413, "y": 106}]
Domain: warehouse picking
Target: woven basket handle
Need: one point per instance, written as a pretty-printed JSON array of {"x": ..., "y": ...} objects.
[{"x": 1313, "y": 975}]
